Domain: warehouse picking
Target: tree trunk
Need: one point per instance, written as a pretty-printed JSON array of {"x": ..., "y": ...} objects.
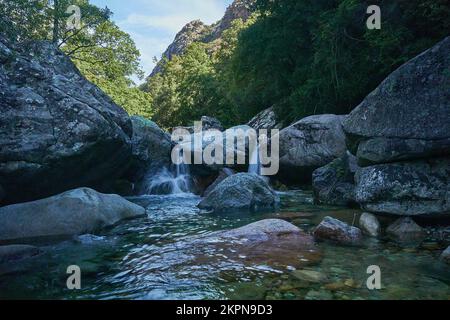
[{"x": 56, "y": 21}]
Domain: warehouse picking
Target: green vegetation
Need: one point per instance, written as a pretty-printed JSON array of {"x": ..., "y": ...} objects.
[
  {"x": 302, "y": 56},
  {"x": 106, "y": 55}
]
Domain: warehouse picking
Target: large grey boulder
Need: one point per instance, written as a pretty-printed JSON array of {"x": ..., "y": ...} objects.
[
  {"x": 334, "y": 183},
  {"x": 405, "y": 188},
  {"x": 310, "y": 144},
  {"x": 151, "y": 148},
  {"x": 242, "y": 191},
  {"x": 74, "y": 212},
  {"x": 17, "y": 252},
  {"x": 57, "y": 130},
  {"x": 408, "y": 115},
  {"x": 337, "y": 231},
  {"x": 266, "y": 119}
]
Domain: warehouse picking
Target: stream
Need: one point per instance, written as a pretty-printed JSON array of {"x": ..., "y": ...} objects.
[{"x": 153, "y": 258}]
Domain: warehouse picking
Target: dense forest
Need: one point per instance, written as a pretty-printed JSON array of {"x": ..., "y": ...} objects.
[{"x": 302, "y": 57}]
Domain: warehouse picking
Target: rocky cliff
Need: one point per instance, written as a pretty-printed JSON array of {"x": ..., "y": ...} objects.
[
  {"x": 197, "y": 31},
  {"x": 57, "y": 130}
]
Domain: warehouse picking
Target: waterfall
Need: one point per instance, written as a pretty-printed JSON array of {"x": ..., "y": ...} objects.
[
  {"x": 254, "y": 166},
  {"x": 173, "y": 180}
]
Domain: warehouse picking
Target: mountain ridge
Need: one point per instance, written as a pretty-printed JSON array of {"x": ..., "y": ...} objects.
[{"x": 197, "y": 31}]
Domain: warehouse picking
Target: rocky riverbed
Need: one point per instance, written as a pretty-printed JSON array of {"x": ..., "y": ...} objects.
[{"x": 153, "y": 258}]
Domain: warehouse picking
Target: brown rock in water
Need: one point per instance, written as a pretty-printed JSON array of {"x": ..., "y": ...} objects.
[{"x": 337, "y": 231}]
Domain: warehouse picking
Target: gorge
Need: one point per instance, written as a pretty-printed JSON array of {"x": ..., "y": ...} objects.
[{"x": 84, "y": 183}]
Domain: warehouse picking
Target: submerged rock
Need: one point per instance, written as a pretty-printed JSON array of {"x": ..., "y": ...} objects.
[
  {"x": 408, "y": 115},
  {"x": 406, "y": 230},
  {"x": 337, "y": 231},
  {"x": 17, "y": 252},
  {"x": 270, "y": 241},
  {"x": 370, "y": 224},
  {"x": 310, "y": 144},
  {"x": 242, "y": 191},
  {"x": 58, "y": 131},
  {"x": 74, "y": 212},
  {"x": 406, "y": 188},
  {"x": 334, "y": 183},
  {"x": 309, "y": 276}
]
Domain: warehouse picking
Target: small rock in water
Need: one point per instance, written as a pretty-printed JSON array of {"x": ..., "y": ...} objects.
[
  {"x": 336, "y": 286},
  {"x": 309, "y": 275},
  {"x": 370, "y": 224},
  {"x": 445, "y": 256},
  {"x": 318, "y": 295},
  {"x": 337, "y": 231},
  {"x": 406, "y": 230}
]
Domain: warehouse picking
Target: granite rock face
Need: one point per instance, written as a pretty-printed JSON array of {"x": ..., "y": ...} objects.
[
  {"x": 408, "y": 116},
  {"x": 310, "y": 144},
  {"x": 334, "y": 183},
  {"x": 405, "y": 188},
  {"x": 57, "y": 130},
  {"x": 401, "y": 136}
]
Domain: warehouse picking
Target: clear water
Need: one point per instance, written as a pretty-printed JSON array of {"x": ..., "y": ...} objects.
[{"x": 154, "y": 258}]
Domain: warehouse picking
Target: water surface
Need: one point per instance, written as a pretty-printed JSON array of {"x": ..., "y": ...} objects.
[{"x": 154, "y": 258}]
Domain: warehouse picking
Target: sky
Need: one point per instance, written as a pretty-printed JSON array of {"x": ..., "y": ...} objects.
[{"x": 153, "y": 24}]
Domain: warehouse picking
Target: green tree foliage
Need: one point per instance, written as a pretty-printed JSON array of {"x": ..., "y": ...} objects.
[
  {"x": 302, "y": 56},
  {"x": 103, "y": 53},
  {"x": 317, "y": 56},
  {"x": 197, "y": 83}
]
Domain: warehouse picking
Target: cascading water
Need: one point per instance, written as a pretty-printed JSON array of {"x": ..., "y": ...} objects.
[
  {"x": 176, "y": 180},
  {"x": 254, "y": 165}
]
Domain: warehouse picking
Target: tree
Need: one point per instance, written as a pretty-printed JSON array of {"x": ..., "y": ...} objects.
[{"x": 103, "y": 53}]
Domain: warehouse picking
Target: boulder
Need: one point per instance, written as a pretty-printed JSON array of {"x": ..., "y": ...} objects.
[
  {"x": 272, "y": 242},
  {"x": 223, "y": 174},
  {"x": 74, "y": 212},
  {"x": 334, "y": 184},
  {"x": 337, "y": 231},
  {"x": 405, "y": 188},
  {"x": 210, "y": 141},
  {"x": 151, "y": 148},
  {"x": 370, "y": 224},
  {"x": 211, "y": 123},
  {"x": 310, "y": 144},
  {"x": 408, "y": 115},
  {"x": 266, "y": 119},
  {"x": 242, "y": 191},
  {"x": 17, "y": 252},
  {"x": 406, "y": 230},
  {"x": 58, "y": 131},
  {"x": 445, "y": 256}
]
